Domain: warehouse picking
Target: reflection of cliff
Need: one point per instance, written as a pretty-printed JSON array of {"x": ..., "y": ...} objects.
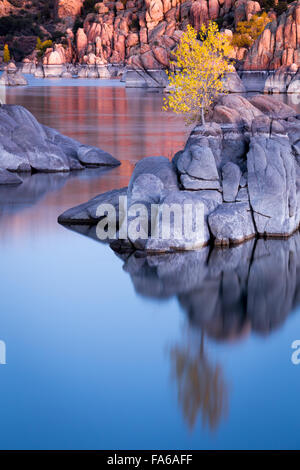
[{"x": 200, "y": 383}]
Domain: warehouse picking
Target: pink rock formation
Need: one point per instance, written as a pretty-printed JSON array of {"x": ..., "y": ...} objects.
[
  {"x": 144, "y": 33},
  {"x": 199, "y": 14},
  {"x": 68, "y": 8},
  {"x": 279, "y": 44},
  {"x": 55, "y": 56}
]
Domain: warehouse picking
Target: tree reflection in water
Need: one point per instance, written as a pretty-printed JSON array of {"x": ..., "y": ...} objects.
[{"x": 201, "y": 385}]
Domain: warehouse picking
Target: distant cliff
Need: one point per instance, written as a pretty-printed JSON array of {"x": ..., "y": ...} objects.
[{"x": 143, "y": 33}]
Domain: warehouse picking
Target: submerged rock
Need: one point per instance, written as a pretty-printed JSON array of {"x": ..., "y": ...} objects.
[
  {"x": 27, "y": 145},
  {"x": 240, "y": 173}
]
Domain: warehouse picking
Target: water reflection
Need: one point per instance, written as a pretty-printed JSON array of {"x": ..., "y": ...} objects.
[
  {"x": 201, "y": 386},
  {"x": 129, "y": 124},
  {"x": 14, "y": 199},
  {"x": 226, "y": 294}
]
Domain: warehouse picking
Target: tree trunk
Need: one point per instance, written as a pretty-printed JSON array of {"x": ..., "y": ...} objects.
[{"x": 202, "y": 116}]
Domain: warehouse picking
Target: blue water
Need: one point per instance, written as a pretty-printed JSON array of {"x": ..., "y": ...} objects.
[
  {"x": 77, "y": 82},
  {"x": 90, "y": 346}
]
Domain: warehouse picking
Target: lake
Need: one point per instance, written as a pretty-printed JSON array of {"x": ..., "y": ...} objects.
[{"x": 188, "y": 351}]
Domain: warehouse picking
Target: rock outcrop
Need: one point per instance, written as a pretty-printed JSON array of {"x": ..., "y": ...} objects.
[
  {"x": 241, "y": 170},
  {"x": 279, "y": 44},
  {"x": 143, "y": 33},
  {"x": 12, "y": 76},
  {"x": 68, "y": 10},
  {"x": 27, "y": 146}
]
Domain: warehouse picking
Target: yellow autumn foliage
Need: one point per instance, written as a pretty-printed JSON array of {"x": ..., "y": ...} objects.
[
  {"x": 41, "y": 47},
  {"x": 6, "y": 54},
  {"x": 248, "y": 31},
  {"x": 199, "y": 67}
]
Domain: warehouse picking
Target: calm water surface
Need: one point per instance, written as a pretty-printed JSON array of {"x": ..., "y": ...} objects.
[{"x": 189, "y": 351}]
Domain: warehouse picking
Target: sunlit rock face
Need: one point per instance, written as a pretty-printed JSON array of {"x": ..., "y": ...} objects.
[
  {"x": 143, "y": 33},
  {"x": 28, "y": 146},
  {"x": 68, "y": 9},
  {"x": 279, "y": 43}
]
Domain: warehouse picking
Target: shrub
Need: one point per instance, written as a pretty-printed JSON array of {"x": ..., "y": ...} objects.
[
  {"x": 248, "y": 31},
  {"x": 41, "y": 47},
  {"x": 16, "y": 3},
  {"x": 135, "y": 25}
]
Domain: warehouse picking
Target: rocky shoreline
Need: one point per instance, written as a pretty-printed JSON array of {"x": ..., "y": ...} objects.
[
  {"x": 283, "y": 80},
  {"x": 243, "y": 166}
]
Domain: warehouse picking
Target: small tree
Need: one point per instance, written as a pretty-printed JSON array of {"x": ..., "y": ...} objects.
[
  {"x": 6, "y": 54},
  {"x": 202, "y": 65}
]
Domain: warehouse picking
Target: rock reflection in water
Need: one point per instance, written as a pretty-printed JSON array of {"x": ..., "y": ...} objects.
[
  {"x": 35, "y": 186},
  {"x": 226, "y": 294}
]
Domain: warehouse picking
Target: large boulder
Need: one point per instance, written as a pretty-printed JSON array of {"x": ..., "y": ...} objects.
[
  {"x": 272, "y": 185},
  {"x": 12, "y": 76},
  {"x": 241, "y": 175},
  {"x": 235, "y": 109},
  {"x": 233, "y": 83},
  {"x": 273, "y": 108},
  {"x": 231, "y": 223},
  {"x": 26, "y": 145}
]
